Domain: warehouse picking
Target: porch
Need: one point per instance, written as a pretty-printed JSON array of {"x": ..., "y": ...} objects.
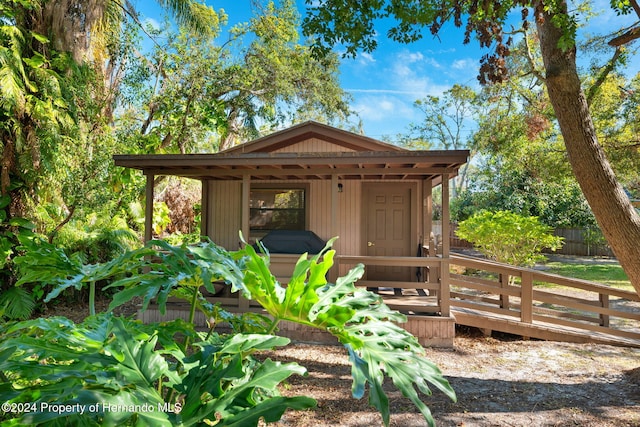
[
  {"x": 378, "y": 198},
  {"x": 494, "y": 297},
  {"x": 424, "y": 302}
]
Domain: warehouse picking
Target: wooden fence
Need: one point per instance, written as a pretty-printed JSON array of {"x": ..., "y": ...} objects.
[{"x": 576, "y": 242}]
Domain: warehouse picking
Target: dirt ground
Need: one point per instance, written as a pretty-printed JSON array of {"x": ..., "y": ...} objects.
[{"x": 499, "y": 382}]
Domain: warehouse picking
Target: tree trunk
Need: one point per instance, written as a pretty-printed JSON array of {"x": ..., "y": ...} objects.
[{"x": 619, "y": 221}]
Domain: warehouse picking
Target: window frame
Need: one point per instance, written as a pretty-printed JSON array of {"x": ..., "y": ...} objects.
[{"x": 259, "y": 233}]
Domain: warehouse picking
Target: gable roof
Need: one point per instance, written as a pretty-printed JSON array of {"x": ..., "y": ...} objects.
[
  {"x": 310, "y": 130},
  {"x": 261, "y": 160}
]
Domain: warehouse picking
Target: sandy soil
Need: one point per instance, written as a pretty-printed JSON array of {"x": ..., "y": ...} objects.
[{"x": 499, "y": 382}]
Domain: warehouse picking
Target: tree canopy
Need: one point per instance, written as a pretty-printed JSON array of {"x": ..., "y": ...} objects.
[
  {"x": 81, "y": 80},
  {"x": 353, "y": 24}
]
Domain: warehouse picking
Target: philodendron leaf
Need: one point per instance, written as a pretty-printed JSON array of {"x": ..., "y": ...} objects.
[
  {"x": 359, "y": 319},
  {"x": 102, "y": 361},
  {"x": 178, "y": 271},
  {"x": 270, "y": 410}
]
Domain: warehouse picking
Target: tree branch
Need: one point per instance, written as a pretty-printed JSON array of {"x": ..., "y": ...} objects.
[
  {"x": 530, "y": 60},
  {"x": 606, "y": 70},
  {"x": 626, "y": 37},
  {"x": 63, "y": 223}
]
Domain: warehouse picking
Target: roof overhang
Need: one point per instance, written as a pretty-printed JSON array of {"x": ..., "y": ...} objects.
[{"x": 387, "y": 165}]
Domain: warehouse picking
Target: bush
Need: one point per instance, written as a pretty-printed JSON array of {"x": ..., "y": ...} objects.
[
  {"x": 115, "y": 371},
  {"x": 508, "y": 237}
]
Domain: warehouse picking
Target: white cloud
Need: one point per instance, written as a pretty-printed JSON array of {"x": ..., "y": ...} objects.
[
  {"x": 410, "y": 57},
  {"x": 385, "y": 108},
  {"x": 465, "y": 64},
  {"x": 153, "y": 23},
  {"x": 365, "y": 58}
]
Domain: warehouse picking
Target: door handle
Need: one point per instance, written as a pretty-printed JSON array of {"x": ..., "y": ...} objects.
[{"x": 370, "y": 244}]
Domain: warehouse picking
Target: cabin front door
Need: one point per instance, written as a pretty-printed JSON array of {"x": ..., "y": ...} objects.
[{"x": 387, "y": 227}]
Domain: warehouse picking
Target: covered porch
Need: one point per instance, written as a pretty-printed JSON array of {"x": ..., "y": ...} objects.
[{"x": 378, "y": 198}]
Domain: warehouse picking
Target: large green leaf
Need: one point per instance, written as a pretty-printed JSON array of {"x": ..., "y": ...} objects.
[
  {"x": 359, "y": 319},
  {"x": 45, "y": 263},
  {"x": 103, "y": 361},
  {"x": 226, "y": 384},
  {"x": 179, "y": 271}
]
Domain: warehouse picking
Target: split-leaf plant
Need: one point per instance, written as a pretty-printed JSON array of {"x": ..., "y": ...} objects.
[
  {"x": 111, "y": 366},
  {"x": 15, "y": 302}
]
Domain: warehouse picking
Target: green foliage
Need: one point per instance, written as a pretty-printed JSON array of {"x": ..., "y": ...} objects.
[
  {"x": 254, "y": 72},
  {"x": 108, "y": 360},
  {"x": 97, "y": 237},
  {"x": 160, "y": 217},
  {"x": 621, "y": 7},
  {"x": 15, "y": 303},
  {"x": 47, "y": 264},
  {"x": 115, "y": 371},
  {"x": 358, "y": 318},
  {"x": 180, "y": 272},
  {"x": 508, "y": 237},
  {"x": 34, "y": 114},
  {"x": 559, "y": 204}
]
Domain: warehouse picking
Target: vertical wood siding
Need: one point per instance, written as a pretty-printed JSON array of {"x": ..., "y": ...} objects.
[
  {"x": 313, "y": 145},
  {"x": 225, "y": 213}
]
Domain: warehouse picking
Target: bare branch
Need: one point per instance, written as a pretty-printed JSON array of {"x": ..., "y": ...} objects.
[{"x": 530, "y": 60}]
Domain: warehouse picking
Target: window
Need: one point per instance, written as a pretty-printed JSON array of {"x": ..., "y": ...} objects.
[{"x": 277, "y": 209}]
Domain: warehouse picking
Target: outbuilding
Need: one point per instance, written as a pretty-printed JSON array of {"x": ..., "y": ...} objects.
[{"x": 306, "y": 184}]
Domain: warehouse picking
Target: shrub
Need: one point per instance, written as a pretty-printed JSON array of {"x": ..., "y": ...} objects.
[
  {"x": 507, "y": 237},
  {"x": 108, "y": 368}
]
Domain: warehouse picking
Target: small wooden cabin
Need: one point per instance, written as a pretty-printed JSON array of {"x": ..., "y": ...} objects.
[{"x": 316, "y": 178}]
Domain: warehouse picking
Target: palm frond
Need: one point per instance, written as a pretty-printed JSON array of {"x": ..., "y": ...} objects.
[
  {"x": 16, "y": 303},
  {"x": 192, "y": 14}
]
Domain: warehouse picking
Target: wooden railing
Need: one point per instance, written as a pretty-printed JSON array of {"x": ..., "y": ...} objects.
[
  {"x": 532, "y": 296},
  {"x": 428, "y": 285}
]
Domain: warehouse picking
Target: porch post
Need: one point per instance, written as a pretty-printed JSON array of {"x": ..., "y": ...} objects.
[
  {"x": 204, "y": 209},
  {"x": 446, "y": 217},
  {"x": 335, "y": 228},
  {"x": 148, "y": 209},
  {"x": 427, "y": 217},
  {"x": 246, "y": 196},
  {"x": 444, "y": 274},
  {"x": 243, "y": 303}
]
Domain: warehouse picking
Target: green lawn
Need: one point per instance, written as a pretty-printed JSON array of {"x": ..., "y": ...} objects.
[{"x": 609, "y": 274}]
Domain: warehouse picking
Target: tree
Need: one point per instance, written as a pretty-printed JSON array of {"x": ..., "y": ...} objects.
[
  {"x": 447, "y": 124},
  {"x": 34, "y": 113},
  {"x": 353, "y": 24},
  {"x": 179, "y": 102},
  {"x": 50, "y": 55},
  {"x": 508, "y": 237},
  {"x": 557, "y": 203},
  {"x": 86, "y": 28}
]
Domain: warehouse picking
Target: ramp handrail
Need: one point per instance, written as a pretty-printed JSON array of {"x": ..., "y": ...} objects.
[{"x": 520, "y": 293}]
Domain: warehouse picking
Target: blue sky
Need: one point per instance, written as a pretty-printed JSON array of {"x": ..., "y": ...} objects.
[{"x": 385, "y": 84}]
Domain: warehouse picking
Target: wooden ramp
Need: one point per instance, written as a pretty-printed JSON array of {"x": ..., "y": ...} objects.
[
  {"x": 499, "y": 297},
  {"x": 537, "y": 330}
]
